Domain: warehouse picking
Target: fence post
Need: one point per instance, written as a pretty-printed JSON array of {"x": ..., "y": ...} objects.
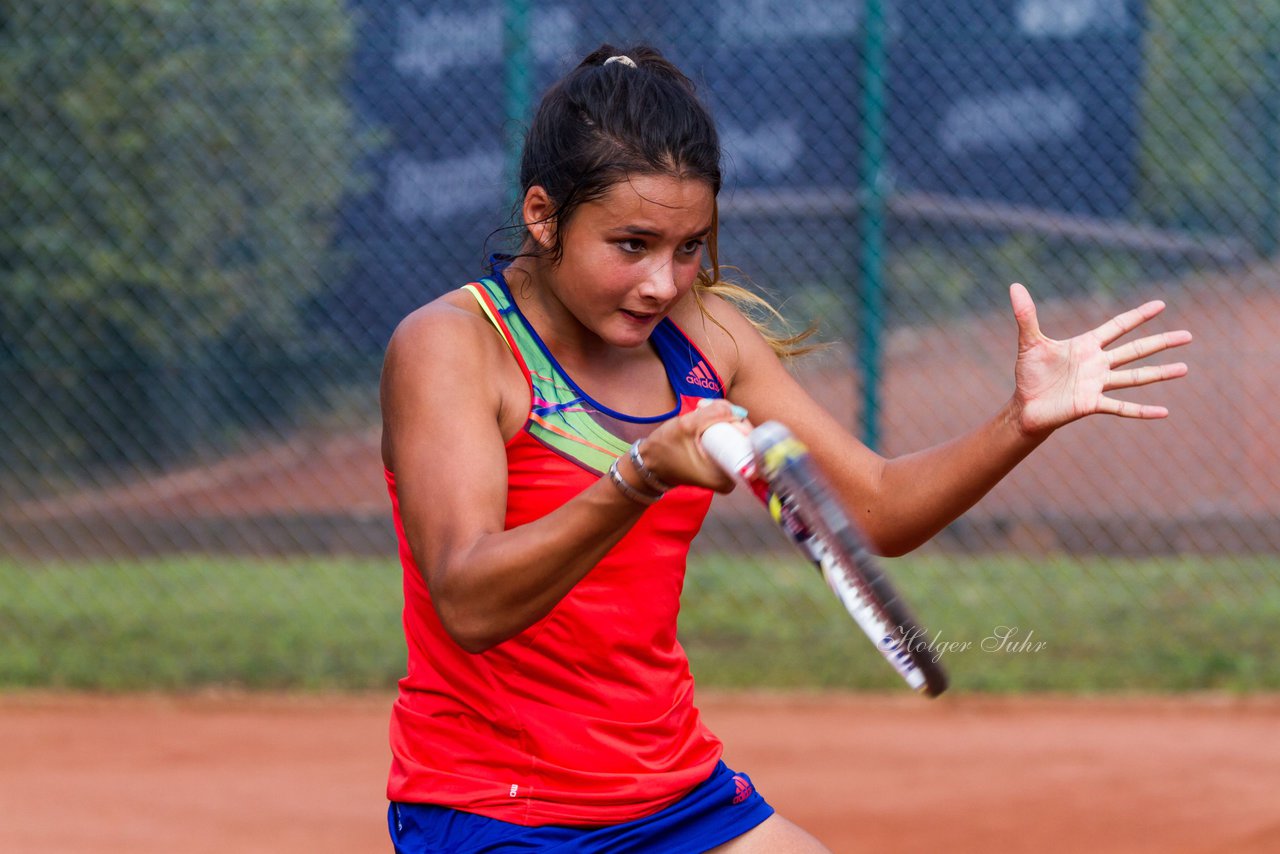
[
  {"x": 871, "y": 194},
  {"x": 1271, "y": 143},
  {"x": 518, "y": 86}
]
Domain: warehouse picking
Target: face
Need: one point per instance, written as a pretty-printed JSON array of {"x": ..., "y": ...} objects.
[{"x": 628, "y": 258}]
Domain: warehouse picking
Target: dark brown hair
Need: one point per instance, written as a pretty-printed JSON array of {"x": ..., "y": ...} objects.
[{"x": 611, "y": 118}]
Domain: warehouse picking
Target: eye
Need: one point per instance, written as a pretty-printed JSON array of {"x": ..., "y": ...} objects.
[
  {"x": 692, "y": 247},
  {"x": 631, "y": 245}
]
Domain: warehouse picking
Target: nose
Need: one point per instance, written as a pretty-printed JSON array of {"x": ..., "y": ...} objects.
[{"x": 660, "y": 284}]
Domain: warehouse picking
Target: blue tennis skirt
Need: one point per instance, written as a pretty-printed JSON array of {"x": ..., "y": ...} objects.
[{"x": 723, "y": 807}]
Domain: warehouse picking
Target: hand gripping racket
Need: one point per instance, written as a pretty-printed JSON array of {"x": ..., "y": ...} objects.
[{"x": 777, "y": 468}]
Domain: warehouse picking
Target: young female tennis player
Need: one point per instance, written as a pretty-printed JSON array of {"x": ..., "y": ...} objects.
[{"x": 541, "y": 447}]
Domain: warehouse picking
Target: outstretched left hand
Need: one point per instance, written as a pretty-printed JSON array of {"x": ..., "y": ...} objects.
[{"x": 1058, "y": 382}]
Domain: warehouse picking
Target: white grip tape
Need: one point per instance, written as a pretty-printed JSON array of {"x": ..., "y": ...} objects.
[{"x": 730, "y": 448}]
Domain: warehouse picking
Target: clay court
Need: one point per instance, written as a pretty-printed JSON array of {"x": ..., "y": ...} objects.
[{"x": 235, "y": 773}]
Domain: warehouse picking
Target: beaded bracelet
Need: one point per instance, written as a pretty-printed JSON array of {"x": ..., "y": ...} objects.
[
  {"x": 650, "y": 477},
  {"x": 627, "y": 489}
]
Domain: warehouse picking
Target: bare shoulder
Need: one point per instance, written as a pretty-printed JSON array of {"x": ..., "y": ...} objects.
[
  {"x": 452, "y": 320},
  {"x": 448, "y": 338},
  {"x": 447, "y": 368}
]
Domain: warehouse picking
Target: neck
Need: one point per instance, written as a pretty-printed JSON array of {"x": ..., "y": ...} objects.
[{"x": 569, "y": 341}]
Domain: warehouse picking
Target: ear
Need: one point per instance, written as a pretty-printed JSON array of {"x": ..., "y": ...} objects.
[{"x": 539, "y": 216}]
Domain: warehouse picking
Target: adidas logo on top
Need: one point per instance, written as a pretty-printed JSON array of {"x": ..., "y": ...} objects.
[{"x": 701, "y": 376}]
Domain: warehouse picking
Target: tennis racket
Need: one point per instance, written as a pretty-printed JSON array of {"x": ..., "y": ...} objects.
[{"x": 777, "y": 468}]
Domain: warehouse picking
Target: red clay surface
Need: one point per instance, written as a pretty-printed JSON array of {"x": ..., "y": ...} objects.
[{"x": 229, "y": 773}]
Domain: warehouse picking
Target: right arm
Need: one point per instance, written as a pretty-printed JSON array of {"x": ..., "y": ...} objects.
[{"x": 443, "y": 440}]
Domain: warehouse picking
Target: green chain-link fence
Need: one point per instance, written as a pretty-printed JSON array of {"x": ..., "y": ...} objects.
[{"x": 212, "y": 215}]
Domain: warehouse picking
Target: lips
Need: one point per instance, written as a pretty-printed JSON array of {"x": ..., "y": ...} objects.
[{"x": 640, "y": 316}]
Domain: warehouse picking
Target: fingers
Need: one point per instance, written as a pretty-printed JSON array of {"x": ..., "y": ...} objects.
[
  {"x": 711, "y": 410},
  {"x": 1124, "y": 323},
  {"x": 708, "y": 412},
  {"x": 1149, "y": 346},
  {"x": 1134, "y": 351},
  {"x": 1024, "y": 312},
  {"x": 675, "y": 454},
  {"x": 1145, "y": 375},
  {"x": 1133, "y": 378},
  {"x": 1129, "y": 409}
]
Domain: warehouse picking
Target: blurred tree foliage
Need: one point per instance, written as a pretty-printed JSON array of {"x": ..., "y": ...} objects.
[
  {"x": 1210, "y": 150},
  {"x": 169, "y": 179}
]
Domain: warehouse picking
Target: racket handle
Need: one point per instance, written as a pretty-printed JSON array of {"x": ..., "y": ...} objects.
[{"x": 731, "y": 449}]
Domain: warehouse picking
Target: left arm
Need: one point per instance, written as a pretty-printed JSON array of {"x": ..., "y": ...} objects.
[{"x": 903, "y": 501}]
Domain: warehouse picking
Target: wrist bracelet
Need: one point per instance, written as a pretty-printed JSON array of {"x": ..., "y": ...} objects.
[
  {"x": 627, "y": 489},
  {"x": 651, "y": 478}
]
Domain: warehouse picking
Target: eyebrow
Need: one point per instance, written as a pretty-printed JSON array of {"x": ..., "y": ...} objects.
[{"x": 649, "y": 232}]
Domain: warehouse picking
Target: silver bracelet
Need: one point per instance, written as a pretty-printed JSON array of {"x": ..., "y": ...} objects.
[
  {"x": 651, "y": 478},
  {"x": 627, "y": 489}
]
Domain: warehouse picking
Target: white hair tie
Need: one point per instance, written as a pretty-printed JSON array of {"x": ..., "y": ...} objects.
[{"x": 625, "y": 60}]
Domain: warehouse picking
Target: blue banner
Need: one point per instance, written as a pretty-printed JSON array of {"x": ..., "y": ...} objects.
[{"x": 1028, "y": 102}]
